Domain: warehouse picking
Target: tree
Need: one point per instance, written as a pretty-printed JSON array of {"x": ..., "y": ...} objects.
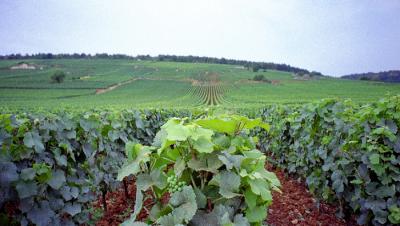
[
  {"x": 315, "y": 73},
  {"x": 258, "y": 77},
  {"x": 256, "y": 67},
  {"x": 58, "y": 77},
  {"x": 261, "y": 78}
]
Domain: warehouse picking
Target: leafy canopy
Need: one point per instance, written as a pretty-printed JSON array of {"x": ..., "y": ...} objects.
[{"x": 207, "y": 160}]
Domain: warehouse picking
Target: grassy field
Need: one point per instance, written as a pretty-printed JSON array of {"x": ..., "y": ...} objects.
[{"x": 118, "y": 84}]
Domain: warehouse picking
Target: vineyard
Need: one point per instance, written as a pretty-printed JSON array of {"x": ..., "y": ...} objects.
[
  {"x": 122, "y": 84},
  {"x": 123, "y": 142},
  {"x": 196, "y": 167},
  {"x": 199, "y": 113}
]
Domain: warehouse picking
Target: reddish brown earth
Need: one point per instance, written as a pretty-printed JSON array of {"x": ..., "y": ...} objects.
[
  {"x": 294, "y": 206},
  {"x": 119, "y": 206}
]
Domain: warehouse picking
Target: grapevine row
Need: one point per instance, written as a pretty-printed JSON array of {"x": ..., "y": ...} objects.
[
  {"x": 53, "y": 166},
  {"x": 209, "y": 94},
  {"x": 347, "y": 154}
]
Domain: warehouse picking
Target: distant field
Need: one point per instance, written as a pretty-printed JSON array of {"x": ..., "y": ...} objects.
[{"x": 149, "y": 84}]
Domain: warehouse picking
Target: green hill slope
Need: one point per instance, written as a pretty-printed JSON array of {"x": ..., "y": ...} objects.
[{"x": 125, "y": 83}]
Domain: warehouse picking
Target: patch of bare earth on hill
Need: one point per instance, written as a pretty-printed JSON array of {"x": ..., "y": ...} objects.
[
  {"x": 191, "y": 81},
  {"x": 207, "y": 78},
  {"x": 25, "y": 66}
]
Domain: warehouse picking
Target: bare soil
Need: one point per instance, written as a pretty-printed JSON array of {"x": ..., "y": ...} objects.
[
  {"x": 296, "y": 206},
  {"x": 23, "y": 66}
]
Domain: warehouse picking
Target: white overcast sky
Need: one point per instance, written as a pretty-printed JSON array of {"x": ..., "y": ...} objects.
[{"x": 333, "y": 37}]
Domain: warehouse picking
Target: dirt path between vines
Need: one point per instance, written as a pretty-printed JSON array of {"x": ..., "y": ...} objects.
[
  {"x": 294, "y": 206},
  {"x": 110, "y": 88}
]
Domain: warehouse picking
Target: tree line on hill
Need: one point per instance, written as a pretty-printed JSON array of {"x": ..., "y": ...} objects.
[
  {"x": 383, "y": 76},
  {"x": 250, "y": 65}
]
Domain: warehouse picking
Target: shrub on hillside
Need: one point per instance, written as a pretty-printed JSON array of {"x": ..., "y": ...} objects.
[
  {"x": 58, "y": 77},
  {"x": 261, "y": 78}
]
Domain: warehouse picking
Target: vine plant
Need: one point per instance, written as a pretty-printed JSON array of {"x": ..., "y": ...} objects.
[{"x": 210, "y": 168}]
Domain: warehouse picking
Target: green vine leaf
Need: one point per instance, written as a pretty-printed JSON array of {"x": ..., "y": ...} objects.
[
  {"x": 394, "y": 216},
  {"x": 72, "y": 209},
  {"x": 176, "y": 131},
  {"x": 57, "y": 179},
  {"x": 256, "y": 214},
  {"x": 229, "y": 184},
  {"x": 184, "y": 208},
  {"x": 201, "y": 199},
  {"x": 250, "y": 198},
  {"x": 203, "y": 145},
  {"x": 231, "y": 124},
  {"x": 128, "y": 169},
  {"x": 197, "y": 132},
  {"x": 207, "y": 162},
  {"x": 26, "y": 189},
  {"x": 33, "y": 140},
  {"x": 231, "y": 161},
  {"x": 220, "y": 125},
  {"x": 138, "y": 203},
  {"x": 8, "y": 173},
  {"x": 374, "y": 159},
  {"x": 41, "y": 215},
  {"x": 179, "y": 166},
  {"x": 137, "y": 154},
  {"x": 260, "y": 187}
]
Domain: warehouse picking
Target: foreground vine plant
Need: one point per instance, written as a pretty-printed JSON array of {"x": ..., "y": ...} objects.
[{"x": 210, "y": 168}]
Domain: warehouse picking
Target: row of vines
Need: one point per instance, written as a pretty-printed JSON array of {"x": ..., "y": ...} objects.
[
  {"x": 52, "y": 167},
  {"x": 348, "y": 154},
  {"x": 209, "y": 94}
]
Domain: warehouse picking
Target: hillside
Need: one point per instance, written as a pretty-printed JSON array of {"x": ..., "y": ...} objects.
[
  {"x": 253, "y": 65},
  {"x": 134, "y": 83},
  {"x": 384, "y": 76}
]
